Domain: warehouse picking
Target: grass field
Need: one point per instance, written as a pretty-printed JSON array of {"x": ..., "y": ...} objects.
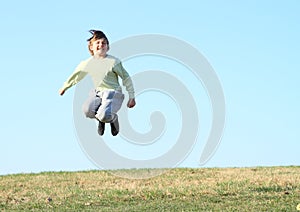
[{"x": 205, "y": 189}]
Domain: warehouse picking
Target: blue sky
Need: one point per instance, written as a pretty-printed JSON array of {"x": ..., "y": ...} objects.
[{"x": 253, "y": 47}]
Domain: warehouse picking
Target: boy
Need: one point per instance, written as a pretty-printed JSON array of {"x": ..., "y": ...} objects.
[{"x": 107, "y": 97}]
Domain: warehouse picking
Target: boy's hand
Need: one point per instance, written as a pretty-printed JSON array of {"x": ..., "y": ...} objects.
[
  {"x": 61, "y": 92},
  {"x": 131, "y": 103}
]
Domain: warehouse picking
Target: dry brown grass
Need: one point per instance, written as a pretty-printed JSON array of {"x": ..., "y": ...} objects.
[{"x": 233, "y": 188}]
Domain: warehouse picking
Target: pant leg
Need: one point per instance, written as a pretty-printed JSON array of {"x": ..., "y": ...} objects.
[
  {"x": 91, "y": 105},
  {"x": 110, "y": 105}
]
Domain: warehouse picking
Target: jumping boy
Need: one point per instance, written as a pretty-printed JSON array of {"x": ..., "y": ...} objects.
[{"x": 106, "y": 99}]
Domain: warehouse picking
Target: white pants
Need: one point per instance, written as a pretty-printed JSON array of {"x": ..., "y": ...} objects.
[{"x": 103, "y": 105}]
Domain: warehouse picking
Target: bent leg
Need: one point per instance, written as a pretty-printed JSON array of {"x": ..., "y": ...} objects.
[
  {"x": 91, "y": 105},
  {"x": 110, "y": 105}
]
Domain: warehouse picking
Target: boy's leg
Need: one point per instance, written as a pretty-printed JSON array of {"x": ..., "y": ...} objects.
[
  {"x": 101, "y": 128},
  {"x": 90, "y": 108},
  {"x": 111, "y": 102},
  {"x": 114, "y": 126},
  {"x": 110, "y": 105},
  {"x": 91, "y": 105}
]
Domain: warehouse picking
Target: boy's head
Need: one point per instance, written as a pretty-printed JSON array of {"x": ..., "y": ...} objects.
[{"x": 96, "y": 35}]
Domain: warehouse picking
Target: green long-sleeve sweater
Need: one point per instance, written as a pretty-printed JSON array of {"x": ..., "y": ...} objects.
[{"x": 104, "y": 73}]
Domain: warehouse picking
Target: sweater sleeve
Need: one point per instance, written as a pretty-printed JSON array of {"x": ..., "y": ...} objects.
[
  {"x": 126, "y": 79},
  {"x": 75, "y": 77}
]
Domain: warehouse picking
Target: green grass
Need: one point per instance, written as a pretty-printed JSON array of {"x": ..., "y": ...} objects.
[{"x": 205, "y": 189}]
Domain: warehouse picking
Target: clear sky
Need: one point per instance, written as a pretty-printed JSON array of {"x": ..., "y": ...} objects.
[{"x": 253, "y": 47}]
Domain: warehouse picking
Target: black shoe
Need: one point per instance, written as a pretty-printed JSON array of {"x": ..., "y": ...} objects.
[
  {"x": 114, "y": 126},
  {"x": 101, "y": 128}
]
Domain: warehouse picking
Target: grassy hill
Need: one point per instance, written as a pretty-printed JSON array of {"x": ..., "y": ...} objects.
[{"x": 205, "y": 189}]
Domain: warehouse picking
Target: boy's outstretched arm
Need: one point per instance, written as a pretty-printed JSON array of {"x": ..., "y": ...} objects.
[{"x": 75, "y": 77}]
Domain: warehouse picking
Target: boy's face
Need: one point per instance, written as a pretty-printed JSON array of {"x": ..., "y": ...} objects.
[{"x": 99, "y": 47}]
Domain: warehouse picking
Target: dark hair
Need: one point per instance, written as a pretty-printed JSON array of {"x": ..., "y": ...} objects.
[{"x": 96, "y": 34}]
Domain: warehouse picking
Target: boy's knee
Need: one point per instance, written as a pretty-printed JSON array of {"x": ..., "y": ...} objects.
[{"x": 89, "y": 114}]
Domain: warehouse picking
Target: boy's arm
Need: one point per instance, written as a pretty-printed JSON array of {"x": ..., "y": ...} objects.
[
  {"x": 77, "y": 75},
  {"x": 127, "y": 82},
  {"x": 129, "y": 87}
]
